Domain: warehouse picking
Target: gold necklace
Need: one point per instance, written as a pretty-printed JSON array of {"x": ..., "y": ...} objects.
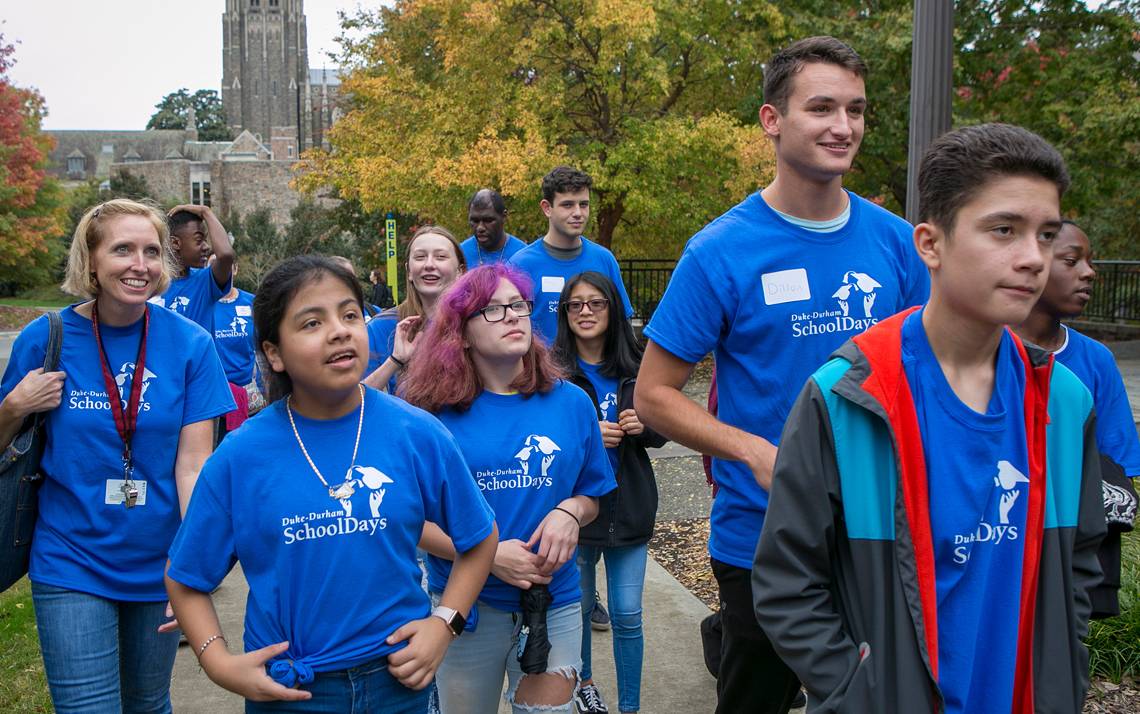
[{"x": 346, "y": 489}]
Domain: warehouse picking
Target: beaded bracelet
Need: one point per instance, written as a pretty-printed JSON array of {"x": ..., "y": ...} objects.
[
  {"x": 576, "y": 520},
  {"x": 206, "y": 644}
]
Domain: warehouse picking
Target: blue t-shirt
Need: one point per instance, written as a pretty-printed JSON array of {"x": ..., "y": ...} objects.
[
  {"x": 234, "y": 339},
  {"x": 194, "y": 296},
  {"x": 774, "y": 301},
  {"x": 549, "y": 274},
  {"x": 381, "y": 340},
  {"x": 977, "y": 468},
  {"x": 476, "y": 256},
  {"x": 606, "y": 389},
  {"x": 1095, "y": 366},
  {"x": 82, "y": 542},
  {"x": 527, "y": 455},
  {"x": 332, "y": 577}
]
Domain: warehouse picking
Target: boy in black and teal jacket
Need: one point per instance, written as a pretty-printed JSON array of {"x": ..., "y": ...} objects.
[{"x": 935, "y": 510}]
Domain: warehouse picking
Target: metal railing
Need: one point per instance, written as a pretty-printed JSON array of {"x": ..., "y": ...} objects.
[
  {"x": 1116, "y": 291},
  {"x": 1115, "y": 295},
  {"x": 645, "y": 280}
]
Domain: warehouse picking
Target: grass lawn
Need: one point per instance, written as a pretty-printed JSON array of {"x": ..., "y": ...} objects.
[
  {"x": 22, "y": 684},
  {"x": 1114, "y": 644},
  {"x": 45, "y": 296}
]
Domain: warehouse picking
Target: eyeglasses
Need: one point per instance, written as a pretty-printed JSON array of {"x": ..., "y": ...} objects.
[
  {"x": 596, "y": 305},
  {"x": 496, "y": 313}
]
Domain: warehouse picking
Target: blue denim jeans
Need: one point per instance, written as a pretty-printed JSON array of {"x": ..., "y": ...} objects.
[
  {"x": 104, "y": 655},
  {"x": 367, "y": 689},
  {"x": 625, "y": 580},
  {"x": 470, "y": 679}
]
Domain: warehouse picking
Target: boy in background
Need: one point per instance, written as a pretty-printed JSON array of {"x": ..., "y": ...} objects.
[
  {"x": 1064, "y": 298},
  {"x": 195, "y": 234}
]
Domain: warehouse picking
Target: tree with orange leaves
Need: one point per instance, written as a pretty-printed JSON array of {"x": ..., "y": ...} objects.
[{"x": 31, "y": 202}]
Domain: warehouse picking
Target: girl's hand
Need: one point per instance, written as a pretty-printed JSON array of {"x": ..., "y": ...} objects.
[
  {"x": 38, "y": 391},
  {"x": 245, "y": 674},
  {"x": 415, "y": 665},
  {"x": 516, "y": 565},
  {"x": 611, "y": 433},
  {"x": 170, "y": 625},
  {"x": 557, "y": 537},
  {"x": 629, "y": 423},
  {"x": 404, "y": 345}
]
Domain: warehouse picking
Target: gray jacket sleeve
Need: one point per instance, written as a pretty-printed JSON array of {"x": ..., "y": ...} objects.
[
  {"x": 1091, "y": 529},
  {"x": 792, "y": 570}
]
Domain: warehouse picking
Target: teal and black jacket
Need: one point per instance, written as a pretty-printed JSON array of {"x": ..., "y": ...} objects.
[{"x": 844, "y": 580}]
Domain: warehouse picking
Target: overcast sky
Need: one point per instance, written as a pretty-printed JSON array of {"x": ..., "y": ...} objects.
[{"x": 104, "y": 64}]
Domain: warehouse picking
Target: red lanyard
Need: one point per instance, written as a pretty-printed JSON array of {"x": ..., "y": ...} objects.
[{"x": 125, "y": 422}]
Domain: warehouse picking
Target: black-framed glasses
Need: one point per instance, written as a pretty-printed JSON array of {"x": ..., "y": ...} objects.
[
  {"x": 496, "y": 313},
  {"x": 596, "y": 305}
]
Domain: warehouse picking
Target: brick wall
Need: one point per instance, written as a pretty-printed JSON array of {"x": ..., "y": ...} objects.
[
  {"x": 245, "y": 186},
  {"x": 169, "y": 181}
]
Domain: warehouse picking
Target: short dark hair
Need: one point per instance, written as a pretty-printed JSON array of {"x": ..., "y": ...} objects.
[
  {"x": 959, "y": 163},
  {"x": 488, "y": 197},
  {"x": 278, "y": 287},
  {"x": 564, "y": 179},
  {"x": 178, "y": 219},
  {"x": 786, "y": 63}
]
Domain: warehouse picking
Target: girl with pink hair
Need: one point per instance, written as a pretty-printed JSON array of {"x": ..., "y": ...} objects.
[{"x": 534, "y": 449}]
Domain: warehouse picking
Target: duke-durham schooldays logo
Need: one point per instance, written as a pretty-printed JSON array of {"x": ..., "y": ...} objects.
[
  {"x": 854, "y": 308},
  {"x": 533, "y": 461}
]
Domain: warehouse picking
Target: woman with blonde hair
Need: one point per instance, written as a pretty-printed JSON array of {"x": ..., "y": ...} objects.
[
  {"x": 129, "y": 423},
  {"x": 435, "y": 260}
]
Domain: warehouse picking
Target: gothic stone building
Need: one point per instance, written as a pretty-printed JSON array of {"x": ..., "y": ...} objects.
[{"x": 276, "y": 108}]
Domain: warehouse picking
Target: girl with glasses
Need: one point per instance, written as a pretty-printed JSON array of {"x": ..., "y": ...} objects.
[
  {"x": 532, "y": 443},
  {"x": 596, "y": 346}
]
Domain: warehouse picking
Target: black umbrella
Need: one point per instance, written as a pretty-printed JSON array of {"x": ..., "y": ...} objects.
[{"x": 534, "y": 644}]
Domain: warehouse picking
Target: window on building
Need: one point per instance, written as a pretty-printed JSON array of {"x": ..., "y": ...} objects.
[
  {"x": 275, "y": 87},
  {"x": 289, "y": 151},
  {"x": 200, "y": 193},
  {"x": 76, "y": 165},
  {"x": 254, "y": 3},
  {"x": 273, "y": 3},
  {"x": 255, "y": 87}
]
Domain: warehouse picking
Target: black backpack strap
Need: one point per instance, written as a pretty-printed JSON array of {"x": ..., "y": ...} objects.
[{"x": 55, "y": 342}]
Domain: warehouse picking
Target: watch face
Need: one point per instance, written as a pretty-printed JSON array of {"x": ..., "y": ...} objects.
[{"x": 457, "y": 623}]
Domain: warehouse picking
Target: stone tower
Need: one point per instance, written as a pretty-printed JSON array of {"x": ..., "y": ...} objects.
[{"x": 265, "y": 73}]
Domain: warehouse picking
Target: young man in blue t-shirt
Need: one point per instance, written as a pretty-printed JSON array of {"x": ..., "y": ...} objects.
[
  {"x": 489, "y": 242},
  {"x": 935, "y": 508},
  {"x": 564, "y": 252},
  {"x": 1064, "y": 298},
  {"x": 195, "y": 234},
  {"x": 772, "y": 287}
]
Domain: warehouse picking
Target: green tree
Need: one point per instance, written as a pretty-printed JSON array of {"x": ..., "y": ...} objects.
[
  {"x": 209, "y": 114},
  {"x": 653, "y": 99},
  {"x": 31, "y": 202}
]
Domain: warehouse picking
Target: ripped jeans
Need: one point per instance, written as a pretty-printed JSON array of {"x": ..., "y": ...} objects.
[{"x": 470, "y": 680}]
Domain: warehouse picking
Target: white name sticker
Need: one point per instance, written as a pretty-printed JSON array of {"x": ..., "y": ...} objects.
[
  {"x": 243, "y": 310},
  {"x": 158, "y": 300},
  {"x": 785, "y": 286},
  {"x": 552, "y": 283},
  {"x": 115, "y": 496}
]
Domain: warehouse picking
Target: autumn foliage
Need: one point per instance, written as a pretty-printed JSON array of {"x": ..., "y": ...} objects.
[{"x": 31, "y": 208}]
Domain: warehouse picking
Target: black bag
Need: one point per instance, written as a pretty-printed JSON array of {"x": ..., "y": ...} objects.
[{"x": 20, "y": 478}]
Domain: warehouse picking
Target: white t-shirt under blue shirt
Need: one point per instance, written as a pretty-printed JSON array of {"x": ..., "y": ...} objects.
[
  {"x": 1095, "y": 366},
  {"x": 334, "y": 578},
  {"x": 527, "y": 455},
  {"x": 774, "y": 300},
  {"x": 550, "y": 274},
  {"x": 977, "y": 468},
  {"x": 84, "y": 540},
  {"x": 476, "y": 256},
  {"x": 194, "y": 296}
]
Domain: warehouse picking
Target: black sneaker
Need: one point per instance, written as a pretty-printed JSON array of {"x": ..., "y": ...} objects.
[
  {"x": 588, "y": 700},
  {"x": 599, "y": 618}
]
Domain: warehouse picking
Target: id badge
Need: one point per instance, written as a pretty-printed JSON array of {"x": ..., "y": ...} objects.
[{"x": 117, "y": 490}]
